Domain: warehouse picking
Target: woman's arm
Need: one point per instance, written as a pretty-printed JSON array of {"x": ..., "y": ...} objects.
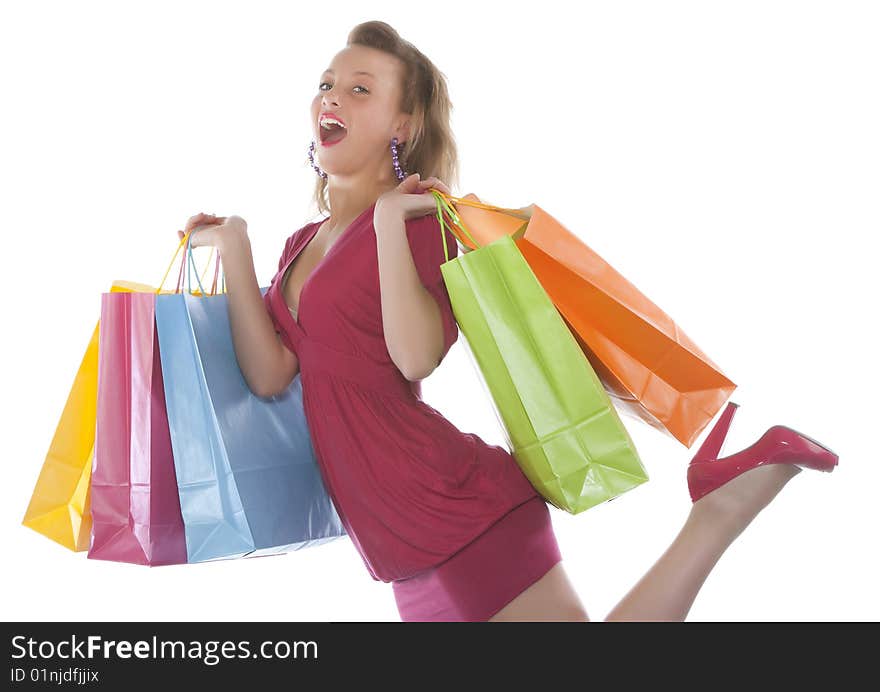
[
  {"x": 268, "y": 365},
  {"x": 411, "y": 317}
]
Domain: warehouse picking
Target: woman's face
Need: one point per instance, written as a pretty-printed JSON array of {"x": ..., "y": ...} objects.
[{"x": 361, "y": 88}]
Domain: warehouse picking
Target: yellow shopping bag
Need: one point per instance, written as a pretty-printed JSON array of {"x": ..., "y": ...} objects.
[{"x": 59, "y": 506}]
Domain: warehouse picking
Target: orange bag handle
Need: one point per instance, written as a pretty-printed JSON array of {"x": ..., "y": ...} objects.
[
  {"x": 518, "y": 213},
  {"x": 443, "y": 205}
]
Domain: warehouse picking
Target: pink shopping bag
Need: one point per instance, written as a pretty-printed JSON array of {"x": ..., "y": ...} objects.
[{"x": 135, "y": 506}]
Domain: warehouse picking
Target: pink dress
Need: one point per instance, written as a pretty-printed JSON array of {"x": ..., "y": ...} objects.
[{"x": 416, "y": 495}]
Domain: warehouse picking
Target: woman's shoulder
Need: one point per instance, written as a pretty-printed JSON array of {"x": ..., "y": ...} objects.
[
  {"x": 426, "y": 237},
  {"x": 291, "y": 241}
]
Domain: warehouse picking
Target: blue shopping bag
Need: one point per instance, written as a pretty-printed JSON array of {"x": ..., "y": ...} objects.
[{"x": 247, "y": 477}]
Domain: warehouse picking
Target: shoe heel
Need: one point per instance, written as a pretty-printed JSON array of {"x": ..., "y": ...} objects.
[{"x": 710, "y": 450}]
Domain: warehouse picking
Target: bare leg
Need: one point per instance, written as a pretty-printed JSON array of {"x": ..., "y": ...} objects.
[{"x": 668, "y": 590}]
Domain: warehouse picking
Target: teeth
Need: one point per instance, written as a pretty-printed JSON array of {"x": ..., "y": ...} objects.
[{"x": 326, "y": 120}]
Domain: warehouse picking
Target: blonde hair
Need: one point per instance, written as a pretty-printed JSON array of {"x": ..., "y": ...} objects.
[{"x": 431, "y": 148}]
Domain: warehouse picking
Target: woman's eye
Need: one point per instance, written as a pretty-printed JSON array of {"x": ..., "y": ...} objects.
[{"x": 357, "y": 87}]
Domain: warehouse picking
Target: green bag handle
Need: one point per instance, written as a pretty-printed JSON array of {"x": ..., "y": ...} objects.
[{"x": 444, "y": 205}]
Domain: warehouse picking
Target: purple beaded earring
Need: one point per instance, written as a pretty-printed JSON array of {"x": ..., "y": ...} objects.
[
  {"x": 312, "y": 160},
  {"x": 401, "y": 174}
]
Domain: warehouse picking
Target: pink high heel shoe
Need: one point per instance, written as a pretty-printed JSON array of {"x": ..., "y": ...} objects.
[{"x": 778, "y": 445}]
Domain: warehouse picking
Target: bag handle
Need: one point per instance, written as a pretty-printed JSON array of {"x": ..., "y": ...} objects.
[
  {"x": 190, "y": 262},
  {"x": 518, "y": 213},
  {"x": 444, "y": 206}
]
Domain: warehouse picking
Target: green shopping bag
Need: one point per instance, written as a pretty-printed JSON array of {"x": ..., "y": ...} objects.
[{"x": 560, "y": 424}]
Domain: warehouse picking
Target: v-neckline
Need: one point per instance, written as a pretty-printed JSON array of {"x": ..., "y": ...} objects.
[{"x": 285, "y": 273}]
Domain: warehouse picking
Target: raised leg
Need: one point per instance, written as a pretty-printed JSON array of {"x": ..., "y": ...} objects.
[{"x": 668, "y": 590}]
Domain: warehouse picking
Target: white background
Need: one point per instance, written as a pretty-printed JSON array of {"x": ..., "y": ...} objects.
[{"x": 722, "y": 156}]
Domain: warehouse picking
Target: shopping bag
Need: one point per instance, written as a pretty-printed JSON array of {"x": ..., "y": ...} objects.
[
  {"x": 247, "y": 477},
  {"x": 134, "y": 503},
  {"x": 652, "y": 370},
  {"x": 60, "y": 502},
  {"x": 559, "y": 422}
]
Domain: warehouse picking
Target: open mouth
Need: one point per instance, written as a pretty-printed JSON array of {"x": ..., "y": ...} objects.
[{"x": 332, "y": 133}]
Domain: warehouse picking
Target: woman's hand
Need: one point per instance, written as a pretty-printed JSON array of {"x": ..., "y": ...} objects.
[
  {"x": 211, "y": 230},
  {"x": 409, "y": 199}
]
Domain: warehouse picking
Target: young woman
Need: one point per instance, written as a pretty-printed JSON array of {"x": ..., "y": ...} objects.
[{"x": 358, "y": 308}]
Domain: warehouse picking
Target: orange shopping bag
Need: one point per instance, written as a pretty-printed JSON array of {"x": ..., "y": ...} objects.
[{"x": 646, "y": 363}]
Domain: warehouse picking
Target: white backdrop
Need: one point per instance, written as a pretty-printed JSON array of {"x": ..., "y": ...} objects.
[{"x": 722, "y": 156}]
